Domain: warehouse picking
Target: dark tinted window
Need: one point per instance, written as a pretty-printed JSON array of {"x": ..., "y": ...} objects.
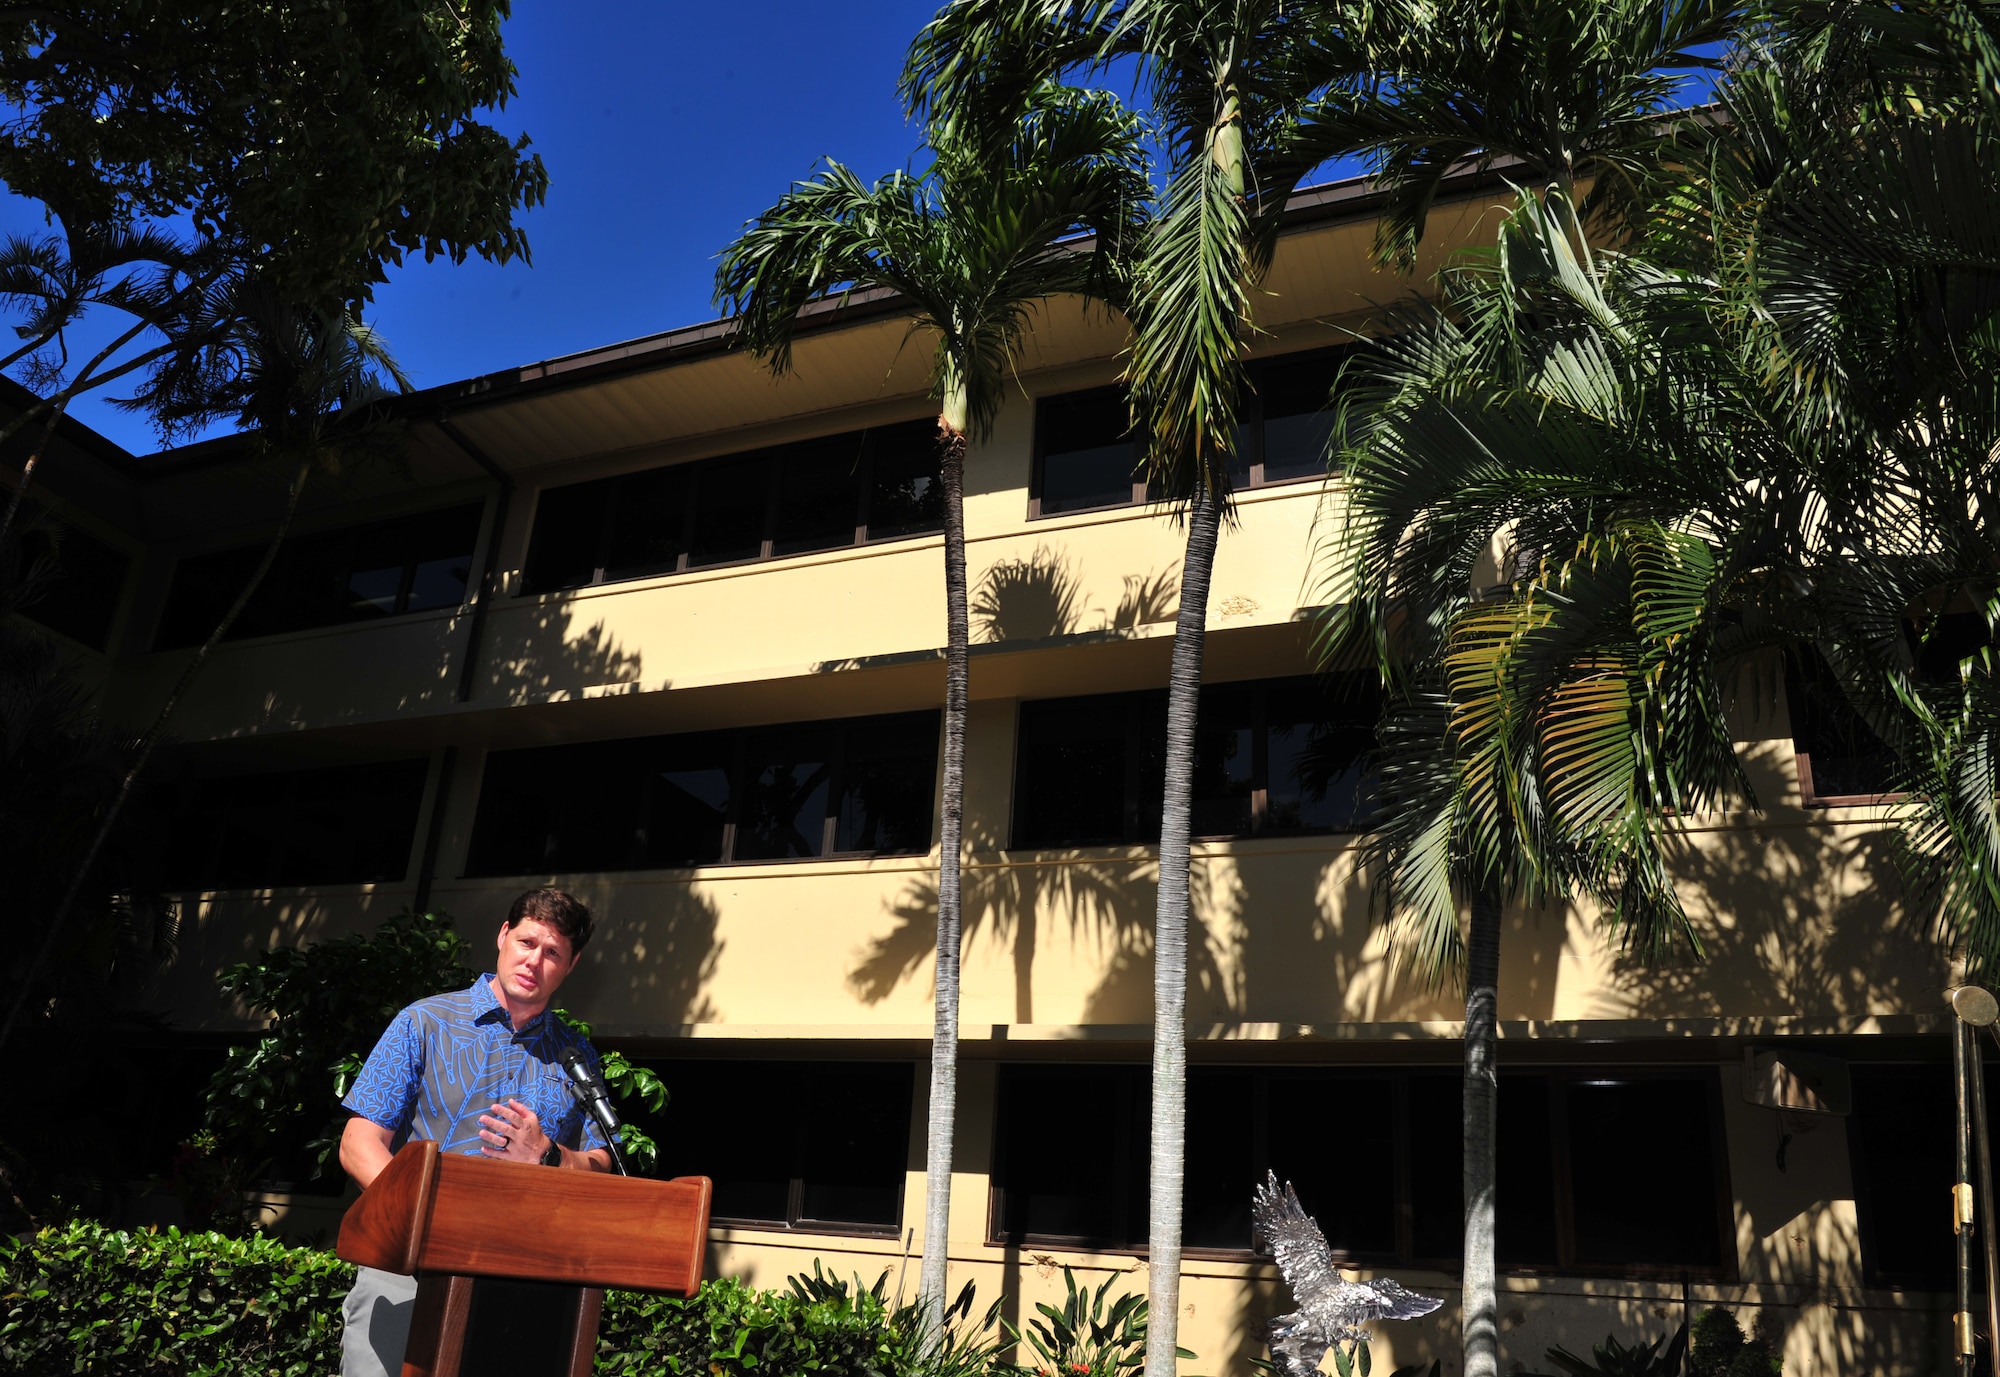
[
  {"x": 784, "y": 784},
  {"x": 813, "y": 1146},
  {"x": 818, "y": 494},
  {"x": 1839, "y": 755},
  {"x": 1283, "y": 755},
  {"x": 327, "y": 578},
  {"x": 347, "y": 824},
  {"x": 887, "y": 782},
  {"x": 819, "y": 490},
  {"x": 863, "y": 786},
  {"x": 1899, "y": 1138},
  {"x": 693, "y": 778},
  {"x": 649, "y": 521},
  {"x": 1295, "y": 411},
  {"x": 1654, "y": 1137},
  {"x": 905, "y": 494},
  {"x": 1087, "y": 455},
  {"x": 1386, "y": 1192},
  {"x": 1047, "y": 1190},
  {"x": 1088, "y": 769},
  {"x": 82, "y": 580},
  {"x": 731, "y": 509}
]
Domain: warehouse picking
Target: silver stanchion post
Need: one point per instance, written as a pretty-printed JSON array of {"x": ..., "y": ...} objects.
[{"x": 1975, "y": 1009}]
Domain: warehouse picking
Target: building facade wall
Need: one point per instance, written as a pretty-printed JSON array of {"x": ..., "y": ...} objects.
[{"x": 832, "y": 958}]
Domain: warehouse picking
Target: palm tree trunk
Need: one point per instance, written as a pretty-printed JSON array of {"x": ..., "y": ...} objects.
[
  {"x": 145, "y": 752},
  {"x": 951, "y": 828},
  {"x": 1170, "y": 946},
  {"x": 1479, "y": 1318}
]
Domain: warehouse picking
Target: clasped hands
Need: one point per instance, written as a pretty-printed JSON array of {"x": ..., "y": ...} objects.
[{"x": 512, "y": 1131}]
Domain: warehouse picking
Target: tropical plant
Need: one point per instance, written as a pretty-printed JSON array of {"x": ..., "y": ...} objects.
[
  {"x": 316, "y": 171},
  {"x": 1719, "y": 1348},
  {"x": 60, "y": 764},
  {"x": 1660, "y": 1358},
  {"x": 1086, "y": 1337},
  {"x": 274, "y": 1105},
  {"x": 306, "y": 387},
  {"x": 1551, "y": 93},
  {"x": 626, "y": 1080},
  {"x": 970, "y": 249},
  {"x": 1234, "y": 92},
  {"x": 1751, "y": 425}
]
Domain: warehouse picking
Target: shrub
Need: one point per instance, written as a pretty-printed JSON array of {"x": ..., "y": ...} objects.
[
  {"x": 728, "y": 1330},
  {"x": 1721, "y": 1349},
  {"x": 86, "y": 1298}
]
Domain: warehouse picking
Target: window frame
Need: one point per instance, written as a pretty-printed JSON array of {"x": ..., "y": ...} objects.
[
  {"x": 839, "y": 729},
  {"x": 1794, "y": 680},
  {"x": 297, "y": 780},
  {"x": 351, "y": 535},
  {"x": 796, "y": 1222},
  {"x": 1134, "y": 724},
  {"x": 1727, "y": 1271},
  {"x": 1252, "y": 421},
  {"x": 771, "y": 457}
]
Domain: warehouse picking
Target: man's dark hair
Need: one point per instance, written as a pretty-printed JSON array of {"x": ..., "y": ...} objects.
[{"x": 566, "y": 913}]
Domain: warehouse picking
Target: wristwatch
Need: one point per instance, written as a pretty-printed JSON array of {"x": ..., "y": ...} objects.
[{"x": 553, "y": 1157}]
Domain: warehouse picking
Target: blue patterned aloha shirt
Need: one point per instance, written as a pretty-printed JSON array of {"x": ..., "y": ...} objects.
[{"x": 448, "y": 1059}]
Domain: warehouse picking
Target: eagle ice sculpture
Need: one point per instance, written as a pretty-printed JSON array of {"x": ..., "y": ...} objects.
[{"x": 1331, "y": 1310}]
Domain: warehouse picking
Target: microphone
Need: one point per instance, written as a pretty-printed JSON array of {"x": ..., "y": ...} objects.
[{"x": 590, "y": 1091}]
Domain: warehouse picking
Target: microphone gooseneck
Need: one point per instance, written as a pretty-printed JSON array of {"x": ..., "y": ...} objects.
[{"x": 591, "y": 1092}]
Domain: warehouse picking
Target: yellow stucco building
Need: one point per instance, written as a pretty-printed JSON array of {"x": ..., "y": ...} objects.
[{"x": 652, "y": 626}]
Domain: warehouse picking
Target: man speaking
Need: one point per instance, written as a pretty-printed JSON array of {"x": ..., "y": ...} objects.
[{"x": 477, "y": 1071}]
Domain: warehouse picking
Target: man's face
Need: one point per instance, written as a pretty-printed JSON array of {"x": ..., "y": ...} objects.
[{"x": 535, "y": 959}]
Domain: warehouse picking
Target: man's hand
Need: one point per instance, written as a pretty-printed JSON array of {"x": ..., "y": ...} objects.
[{"x": 512, "y": 1131}]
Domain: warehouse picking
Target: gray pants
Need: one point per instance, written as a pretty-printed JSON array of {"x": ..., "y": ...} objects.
[{"x": 377, "y": 1324}]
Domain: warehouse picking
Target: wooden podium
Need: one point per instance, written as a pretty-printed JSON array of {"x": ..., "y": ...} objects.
[{"x": 512, "y": 1261}]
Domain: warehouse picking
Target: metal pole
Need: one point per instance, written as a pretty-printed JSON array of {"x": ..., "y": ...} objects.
[
  {"x": 1961, "y": 1196},
  {"x": 1976, "y": 1008}
]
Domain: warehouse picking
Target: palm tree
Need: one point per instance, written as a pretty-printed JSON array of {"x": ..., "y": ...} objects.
[
  {"x": 1236, "y": 92},
  {"x": 304, "y": 384},
  {"x": 1765, "y": 424},
  {"x": 1559, "y": 96},
  {"x": 159, "y": 284},
  {"x": 970, "y": 249}
]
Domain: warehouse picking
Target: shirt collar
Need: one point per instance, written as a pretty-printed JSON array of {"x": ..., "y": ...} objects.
[{"x": 487, "y": 1009}]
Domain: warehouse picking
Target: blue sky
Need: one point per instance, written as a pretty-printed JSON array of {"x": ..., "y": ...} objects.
[{"x": 664, "y": 128}]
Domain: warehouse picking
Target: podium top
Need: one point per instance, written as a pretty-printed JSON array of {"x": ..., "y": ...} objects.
[{"x": 471, "y": 1216}]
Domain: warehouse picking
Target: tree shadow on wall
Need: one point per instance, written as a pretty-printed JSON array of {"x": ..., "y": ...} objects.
[
  {"x": 1042, "y": 596},
  {"x": 657, "y": 954},
  {"x": 1793, "y": 920},
  {"x": 1106, "y": 901},
  {"x": 534, "y": 653}
]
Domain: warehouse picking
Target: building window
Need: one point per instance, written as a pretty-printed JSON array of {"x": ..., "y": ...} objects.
[
  {"x": 1086, "y": 456},
  {"x": 346, "y": 824},
  {"x": 863, "y": 787},
  {"x": 1899, "y": 1142},
  {"x": 1841, "y": 759},
  {"x": 816, "y": 1147},
  {"x": 327, "y": 578},
  {"x": 819, "y": 494},
  {"x": 1570, "y": 1145},
  {"x": 1271, "y": 757},
  {"x": 84, "y": 580}
]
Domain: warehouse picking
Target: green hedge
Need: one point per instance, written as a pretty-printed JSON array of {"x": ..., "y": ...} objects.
[{"x": 88, "y": 1299}]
